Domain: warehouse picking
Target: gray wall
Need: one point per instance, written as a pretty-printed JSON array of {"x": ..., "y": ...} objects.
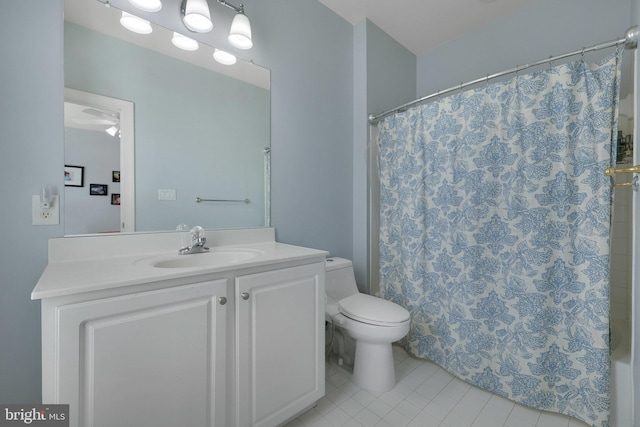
[
  {"x": 31, "y": 155},
  {"x": 384, "y": 76},
  {"x": 310, "y": 56},
  {"x": 99, "y": 154},
  {"x": 535, "y": 32}
]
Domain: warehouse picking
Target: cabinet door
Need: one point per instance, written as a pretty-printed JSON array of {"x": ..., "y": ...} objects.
[
  {"x": 155, "y": 358},
  {"x": 279, "y": 344}
]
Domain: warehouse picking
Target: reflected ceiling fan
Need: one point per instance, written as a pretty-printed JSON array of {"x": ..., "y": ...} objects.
[{"x": 100, "y": 118}]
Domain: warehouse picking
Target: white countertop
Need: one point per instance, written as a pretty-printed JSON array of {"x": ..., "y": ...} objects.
[{"x": 67, "y": 275}]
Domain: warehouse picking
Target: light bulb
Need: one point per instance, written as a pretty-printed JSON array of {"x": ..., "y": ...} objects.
[
  {"x": 184, "y": 42},
  {"x": 147, "y": 5},
  {"x": 196, "y": 16},
  {"x": 240, "y": 34},
  {"x": 225, "y": 58},
  {"x": 135, "y": 24},
  {"x": 112, "y": 130}
]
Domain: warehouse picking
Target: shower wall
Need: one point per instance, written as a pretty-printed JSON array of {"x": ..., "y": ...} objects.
[
  {"x": 621, "y": 236},
  {"x": 620, "y": 275}
]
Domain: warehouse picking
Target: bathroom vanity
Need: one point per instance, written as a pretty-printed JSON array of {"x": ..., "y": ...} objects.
[{"x": 135, "y": 335}]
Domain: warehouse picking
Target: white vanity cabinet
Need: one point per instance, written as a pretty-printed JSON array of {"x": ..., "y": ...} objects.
[
  {"x": 154, "y": 358},
  {"x": 280, "y": 346},
  {"x": 128, "y": 344}
]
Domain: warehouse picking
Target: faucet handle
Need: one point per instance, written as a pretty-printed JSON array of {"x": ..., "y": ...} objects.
[{"x": 197, "y": 233}]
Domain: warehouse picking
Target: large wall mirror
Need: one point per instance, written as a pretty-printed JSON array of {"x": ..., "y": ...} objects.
[{"x": 150, "y": 128}]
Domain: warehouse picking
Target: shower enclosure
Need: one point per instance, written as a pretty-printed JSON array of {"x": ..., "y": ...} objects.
[{"x": 619, "y": 296}]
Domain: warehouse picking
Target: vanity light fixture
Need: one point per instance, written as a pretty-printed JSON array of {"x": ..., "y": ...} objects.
[
  {"x": 135, "y": 24},
  {"x": 225, "y": 58},
  {"x": 147, "y": 5},
  {"x": 196, "y": 16},
  {"x": 184, "y": 42},
  {"x": 240, "y": 33}
]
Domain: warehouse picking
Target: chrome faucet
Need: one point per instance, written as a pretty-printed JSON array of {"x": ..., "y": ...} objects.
[{"x": 198, "y": 241}]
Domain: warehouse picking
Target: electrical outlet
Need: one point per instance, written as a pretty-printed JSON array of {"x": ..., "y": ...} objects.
[{"x": 42, "y": 216}]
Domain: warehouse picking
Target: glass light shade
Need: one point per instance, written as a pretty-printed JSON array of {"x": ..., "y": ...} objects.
[
  {"x": 240, "y": 34},
  {"x": 184, "y": 42},
  {"x": 112, "y": 130},
  {"x": 135, "y": 24},
  {"x": 197, "y": 16},
  {"x": 225, "y": 58},
  {"x": 147, "y": 5}
]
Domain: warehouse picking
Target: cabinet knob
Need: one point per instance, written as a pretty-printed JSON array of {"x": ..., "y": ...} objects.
[
  {"x": 222, "y": 300},
  {"x": 245, "y": 295}
]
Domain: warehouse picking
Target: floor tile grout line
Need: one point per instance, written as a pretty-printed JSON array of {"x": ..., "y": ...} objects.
[{"x": 341, "y": 382}]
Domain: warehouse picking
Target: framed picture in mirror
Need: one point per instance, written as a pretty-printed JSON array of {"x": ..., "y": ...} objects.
[
  {"x": 73, "y": 176},
  {"x": 98, "y": 189}
]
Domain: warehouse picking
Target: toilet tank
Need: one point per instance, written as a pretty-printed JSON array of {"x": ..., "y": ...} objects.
[{"x": 340, "y": 279}]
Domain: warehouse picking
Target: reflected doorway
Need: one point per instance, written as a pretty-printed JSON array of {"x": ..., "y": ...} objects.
[{"x": 99, "y": 150}]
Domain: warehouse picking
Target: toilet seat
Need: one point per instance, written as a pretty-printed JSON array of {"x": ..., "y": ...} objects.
[{"x": 371, "y": 310}]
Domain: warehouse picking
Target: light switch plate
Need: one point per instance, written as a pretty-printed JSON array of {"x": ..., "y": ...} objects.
[
  {"x": 40, "y": 216},
  {"x": 167, "y": 194}
]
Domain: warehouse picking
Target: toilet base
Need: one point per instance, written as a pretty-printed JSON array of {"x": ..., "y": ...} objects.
[{"x": 373, "y": 368}]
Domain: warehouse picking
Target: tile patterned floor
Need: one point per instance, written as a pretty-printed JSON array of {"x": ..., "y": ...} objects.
[{"x": 425, "y": 396}]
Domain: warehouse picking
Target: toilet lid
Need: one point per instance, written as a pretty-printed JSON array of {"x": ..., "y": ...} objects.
[{"x": 369, "y": 309}]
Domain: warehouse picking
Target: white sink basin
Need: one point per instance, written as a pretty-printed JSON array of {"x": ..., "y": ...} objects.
[{"x": 216, "y": 257}]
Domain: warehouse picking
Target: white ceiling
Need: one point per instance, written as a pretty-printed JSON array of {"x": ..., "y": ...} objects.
[
  {"x": 420, "y": 25},
  {"x": 77, "y": 116}
]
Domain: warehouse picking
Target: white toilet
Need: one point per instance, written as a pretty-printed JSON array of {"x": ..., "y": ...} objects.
[{"x": 372, "y": 322}]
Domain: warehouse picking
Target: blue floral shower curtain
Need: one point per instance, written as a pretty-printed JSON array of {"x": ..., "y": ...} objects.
[{"x": 494, "y": 233}]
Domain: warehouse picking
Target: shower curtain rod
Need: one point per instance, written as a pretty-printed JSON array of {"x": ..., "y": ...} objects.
[{"x": 630, "y": 41}]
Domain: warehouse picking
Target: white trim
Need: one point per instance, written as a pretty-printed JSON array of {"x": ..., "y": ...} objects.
[{"x": 127, "y": 149}]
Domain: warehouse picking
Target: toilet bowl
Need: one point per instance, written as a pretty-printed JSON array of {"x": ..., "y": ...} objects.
[{"x": 372, "y": 322}]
